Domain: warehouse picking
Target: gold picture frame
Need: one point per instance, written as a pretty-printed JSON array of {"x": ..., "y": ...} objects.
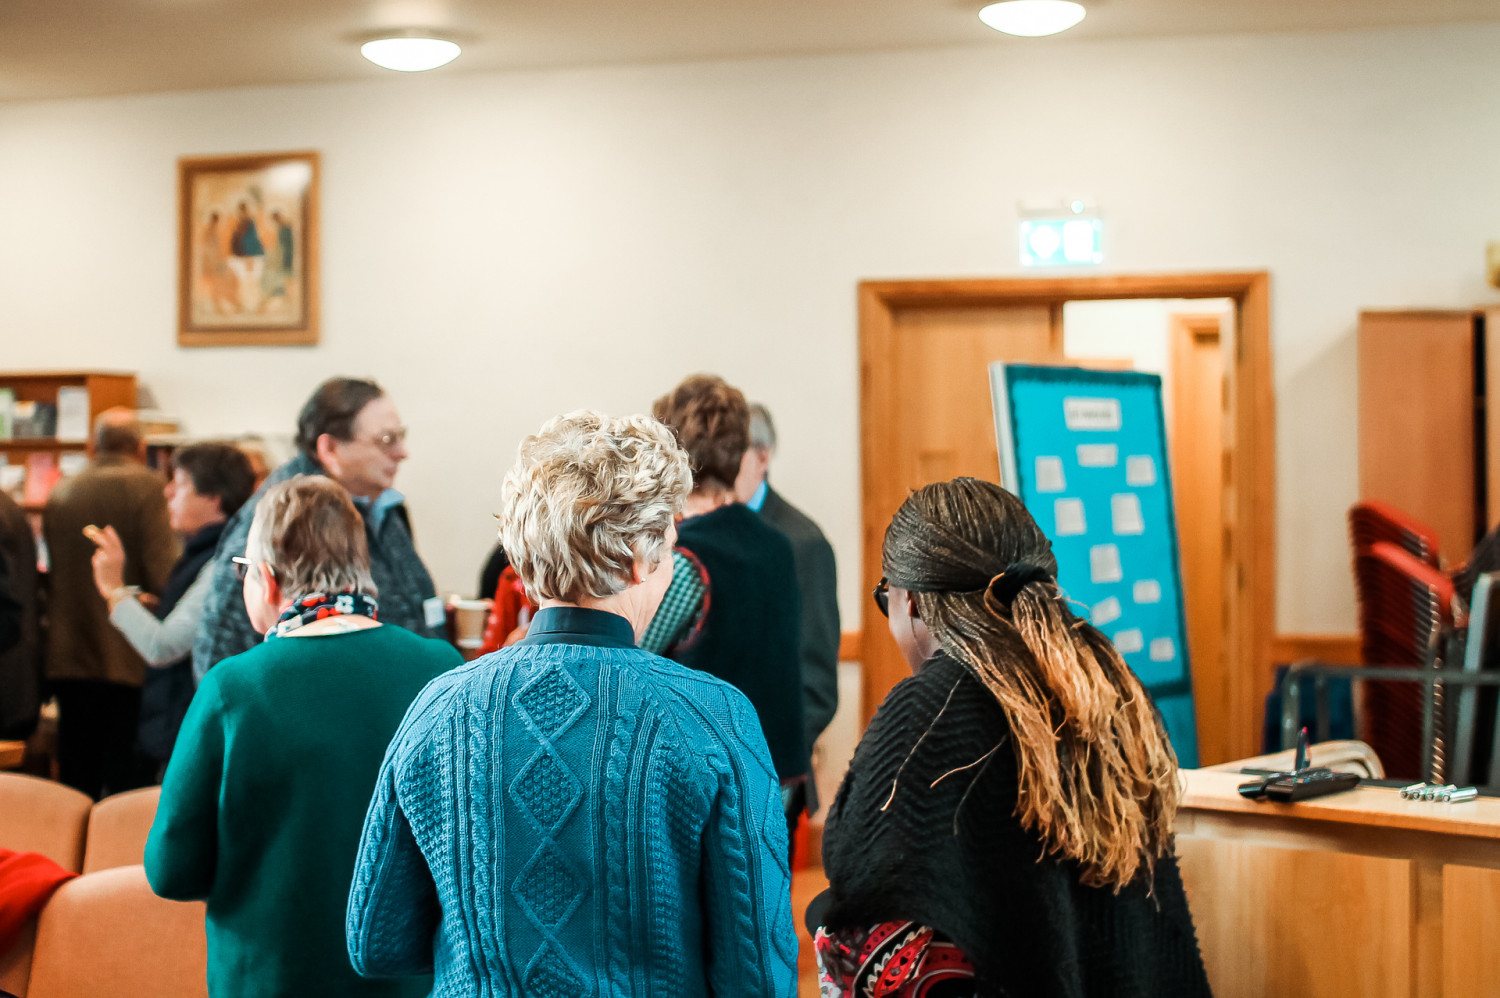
[{"x": 247, "y": 250}]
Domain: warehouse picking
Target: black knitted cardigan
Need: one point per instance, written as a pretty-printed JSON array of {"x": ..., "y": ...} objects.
[{"x": 956, "y": 858}]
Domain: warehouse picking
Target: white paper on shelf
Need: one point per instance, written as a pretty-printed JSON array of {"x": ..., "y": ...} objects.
[
  {"x": 1125, "y": 509},
  {"x": 1104, "y": 564},
  {"x": 1091, "y": 413},
  {"x": 1163, "y": 650},
  {"x": 1069, "y": 516},
  {"x": 1140, "y": 470},
  {"x": 1129, "y": 642},
  {"x": 1098, "y": 455},
  {"x": 1105, "y": 611},
  {"x": 1146, "y": 591},
  {"x": 72, "y": 463},
  {"x": 72, "y": 413},
  {"x": 1049, "y": 475}
]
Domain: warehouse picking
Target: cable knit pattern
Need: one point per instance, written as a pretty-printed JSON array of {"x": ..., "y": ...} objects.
[{"x": 592, "y": 820}]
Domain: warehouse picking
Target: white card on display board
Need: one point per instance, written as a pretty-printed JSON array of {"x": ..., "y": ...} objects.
[
  {"x": 1069, "y": 516},
  {"x": 1105, "y": 611},
  {"x": 1140, "y": 471},
  {"x": 1125, "y": 508},
  {"x": 1104, "y": 564},
  {"x": 1146, "y": 591},
  {"x": 1163, "y": 649},
  {"x": 1091, "y": 413},
  {"x": 1098, "y": 455},
  {"x": 1129, "y": 642},
  {"x": 1049, "y": 475}
]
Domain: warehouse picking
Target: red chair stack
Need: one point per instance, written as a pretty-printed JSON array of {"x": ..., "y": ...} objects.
[{"x": 1405, "y": 604}]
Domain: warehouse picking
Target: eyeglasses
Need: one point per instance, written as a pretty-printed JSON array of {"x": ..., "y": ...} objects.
[
  {"x": 882, "y": 595},
  {"x": 390, "y": 440},
  {"x": 242, "y": 567}
]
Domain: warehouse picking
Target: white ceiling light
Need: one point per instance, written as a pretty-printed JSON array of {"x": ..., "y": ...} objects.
[
  {"x": 410, "y": 54},
  {"x": 1032, "y": 18}
]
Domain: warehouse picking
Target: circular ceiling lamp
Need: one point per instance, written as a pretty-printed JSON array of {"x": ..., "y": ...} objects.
[
  {"x": 1032, "y": 18},
  {"x": 410, "y": 53}
]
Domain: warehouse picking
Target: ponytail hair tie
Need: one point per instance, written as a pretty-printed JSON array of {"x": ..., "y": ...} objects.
[{"x": 1004, "y": 587}]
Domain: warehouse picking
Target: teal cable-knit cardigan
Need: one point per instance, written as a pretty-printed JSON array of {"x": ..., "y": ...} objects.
[{"x": 574, "y": 816}]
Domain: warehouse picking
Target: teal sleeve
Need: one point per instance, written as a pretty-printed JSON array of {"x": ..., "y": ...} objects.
[
  {"x": 750, "y": 939},
  {"x": 393, "y": 903},
  {"x": 182, "y": 851}
]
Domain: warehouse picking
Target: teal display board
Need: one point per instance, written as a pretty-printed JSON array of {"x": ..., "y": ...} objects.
[{"x": 1086, "y": 452}]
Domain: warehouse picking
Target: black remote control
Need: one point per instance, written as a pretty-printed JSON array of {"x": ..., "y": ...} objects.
[{"x": 1307, "y": 785}]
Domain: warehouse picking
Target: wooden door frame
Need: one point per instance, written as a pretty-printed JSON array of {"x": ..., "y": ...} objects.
[{"x": 1250, "y": 459}]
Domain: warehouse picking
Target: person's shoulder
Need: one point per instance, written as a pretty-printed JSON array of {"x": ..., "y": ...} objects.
[
  {"x": 686, "y": 688},
  {"x": 407, "y": 642},
  {"x": 790, "y": 520}
]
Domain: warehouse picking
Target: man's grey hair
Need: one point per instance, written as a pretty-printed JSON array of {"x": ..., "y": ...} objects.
[{"x": 762, "y": 430}]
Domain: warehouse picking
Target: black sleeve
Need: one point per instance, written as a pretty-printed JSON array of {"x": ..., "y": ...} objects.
[{"x": 10, "y": 610}]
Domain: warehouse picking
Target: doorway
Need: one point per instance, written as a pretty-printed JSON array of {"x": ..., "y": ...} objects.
[{"x": 925, "y": 348}]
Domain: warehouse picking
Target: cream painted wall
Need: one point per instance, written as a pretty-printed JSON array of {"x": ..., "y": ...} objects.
[{"x": 501, "y": 247}]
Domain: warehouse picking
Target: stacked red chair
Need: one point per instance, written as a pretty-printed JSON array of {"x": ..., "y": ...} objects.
[{"x": 1405, "y": 606}]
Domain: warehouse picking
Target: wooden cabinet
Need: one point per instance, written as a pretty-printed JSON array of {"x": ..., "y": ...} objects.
[
  {"x": 106, "y": 389},
  {"x": 1426, "y": 440}
]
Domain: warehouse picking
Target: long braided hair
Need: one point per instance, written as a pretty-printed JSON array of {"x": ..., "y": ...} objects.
[{"x": 1097, "y": 776}]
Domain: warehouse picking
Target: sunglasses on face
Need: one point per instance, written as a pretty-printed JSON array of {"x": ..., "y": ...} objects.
[{"x": 882, "y": 595}]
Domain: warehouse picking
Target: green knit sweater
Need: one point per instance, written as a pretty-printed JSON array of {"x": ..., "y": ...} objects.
[{"x": 264, "y": 798}]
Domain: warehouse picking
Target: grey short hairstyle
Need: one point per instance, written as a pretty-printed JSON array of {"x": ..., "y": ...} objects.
[
  {"x": 762, "y": 430},
  {"x": 307, "y": 529},
  {"x": 587, "y": 497},
  {"x": 118, "y": 431}
]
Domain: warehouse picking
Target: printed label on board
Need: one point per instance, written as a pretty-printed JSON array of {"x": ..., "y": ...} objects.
[
  {"x": 1091, "y": 414},
  {"x": 1069, "y": 516},
  {"x": 1140, "y": 471},
  {"x": 1105, "y": 611},
  {"x": 1163, "y": 650},
  {"x": 1147, "y": 591},
  {"x": 1104, "y": 564},
  {"x": 1049, "y": 474},
  {"x": 1098, "y": 455},
  {"x": 1125, "y": 508},
  {"x": 1129, "y": 642}
]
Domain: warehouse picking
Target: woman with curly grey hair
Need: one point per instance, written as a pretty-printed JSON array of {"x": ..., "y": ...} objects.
[{"x": 573, "y": 815}]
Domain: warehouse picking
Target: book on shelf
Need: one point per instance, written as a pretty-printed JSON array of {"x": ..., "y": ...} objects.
[
  {"x": 13, "y": 480},
  {"x": 34, "y": 420},
  {"x": 7, "y": 412},
  {"x": 72, "y": 414},
  {"x": 41, "y": 474}
]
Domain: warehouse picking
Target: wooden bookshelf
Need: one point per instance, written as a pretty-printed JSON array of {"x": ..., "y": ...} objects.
[{"x": 107, "y": 390}]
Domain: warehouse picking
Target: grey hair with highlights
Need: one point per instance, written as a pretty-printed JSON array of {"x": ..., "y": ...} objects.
[{"x": 588, "y": 496}]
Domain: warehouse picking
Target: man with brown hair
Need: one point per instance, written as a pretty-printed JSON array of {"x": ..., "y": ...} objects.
[{"x": 96, "y": 673}]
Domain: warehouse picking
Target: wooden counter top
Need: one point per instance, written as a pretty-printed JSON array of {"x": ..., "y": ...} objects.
[{"x": 1216, "y": 790}]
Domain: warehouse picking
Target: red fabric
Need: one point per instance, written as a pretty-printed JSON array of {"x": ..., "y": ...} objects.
[
  {"x": 510, "y": 610},
  {"x": 27, "y": 880}
]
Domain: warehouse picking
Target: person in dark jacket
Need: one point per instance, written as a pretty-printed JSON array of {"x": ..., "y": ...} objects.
[
  {"x": 210, "y": 482},
  {"x": 21, "y": 658},
  {"x": 1006, "y": 822},
  {"x": 350, "y": 431},
  {"x": 817, "y": 580},
  {"x": 93, "y": 670},
  {"x": 733, "y": 609},
  {"x": 10, "y": 612}
]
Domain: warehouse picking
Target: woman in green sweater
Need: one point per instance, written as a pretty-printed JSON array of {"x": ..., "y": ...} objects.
[{"x": 263, "y": 801}]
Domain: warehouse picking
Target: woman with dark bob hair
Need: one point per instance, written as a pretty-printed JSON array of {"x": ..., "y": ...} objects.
[{"x": 1006, "y": 825}]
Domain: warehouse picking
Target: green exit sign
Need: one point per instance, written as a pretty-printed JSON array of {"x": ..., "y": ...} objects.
[{"x": 1070, "y": 241}]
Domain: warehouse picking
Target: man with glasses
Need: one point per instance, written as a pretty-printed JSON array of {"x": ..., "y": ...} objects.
[{"x": 350, "y": 431}]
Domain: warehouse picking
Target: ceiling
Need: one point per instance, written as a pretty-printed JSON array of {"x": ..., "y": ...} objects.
[{"x": 74, "y": 48}]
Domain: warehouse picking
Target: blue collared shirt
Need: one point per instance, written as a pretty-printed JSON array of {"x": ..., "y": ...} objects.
[
  {"x": 383, "y": 504},
  {"x": 577, "y": 625},
  {"x": 759, "y": 499}
]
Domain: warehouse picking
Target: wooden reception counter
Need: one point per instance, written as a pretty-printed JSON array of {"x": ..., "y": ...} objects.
[{"x": 1356, "y": 894}]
